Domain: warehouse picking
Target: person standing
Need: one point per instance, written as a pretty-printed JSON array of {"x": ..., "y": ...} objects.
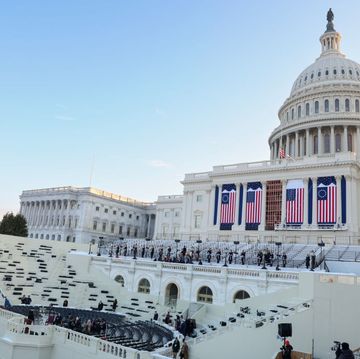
[
  {"x": 286, "y": 350},
  {"x": 184, "y": 353},
  {"x": 307, "y": 261},
  {"x": 346, "y": 352},
  {"x": 175, "y": 347}
]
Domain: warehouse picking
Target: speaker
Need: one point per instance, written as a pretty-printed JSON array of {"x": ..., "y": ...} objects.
[{"x": 285, "y": 330}]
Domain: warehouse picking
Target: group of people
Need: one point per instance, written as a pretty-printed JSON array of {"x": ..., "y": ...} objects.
[
  {"x": 91, "y": 327},
  {"x": 209, "y": 255},
  {"x": 184, "y": 255}
]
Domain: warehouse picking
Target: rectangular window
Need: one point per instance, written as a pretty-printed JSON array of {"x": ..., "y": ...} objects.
[
  {"x": 199, "y": 198},
  {"x": 112, "y": 228},
  {"x": 128, "y": 231},
  {"x": 104, "y": 227},
  {"x": 197, "y": 220},
  {"x": 122, "y": 214},
  {"x": 130, "y": 215},
  {"x": 94, "y": 225},
  {"x": 97, "y": 209},
  {"x": 106, "y": 210},
  {"x": 177, "y": 214},
  {"x": 120, "y": 229},
  {"x": 166, "y": 214},
  {"x": 137, "y": 218},
  {"x": 135, "y": 232},
  {"x": 114, "y": 213}
]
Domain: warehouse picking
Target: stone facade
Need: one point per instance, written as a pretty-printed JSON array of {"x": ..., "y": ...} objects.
[{"x": 83, "y": 214}]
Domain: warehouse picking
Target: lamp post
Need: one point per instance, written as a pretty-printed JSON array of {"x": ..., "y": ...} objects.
[
  {"x": 198, "y": 248},
  {"x": 177, "y": 241},
  {"x": 236, "y": 253},
  {"x": 147, "y": 249},
  {"x": 226, "y": 254},
  {"x": 321, "y": 244},
  {"x": 278, "y": 245},
  {"x": 99, "y": 246}
]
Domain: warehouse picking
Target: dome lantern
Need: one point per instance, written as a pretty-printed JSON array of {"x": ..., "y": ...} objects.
[{"x": 330, "y": 40}]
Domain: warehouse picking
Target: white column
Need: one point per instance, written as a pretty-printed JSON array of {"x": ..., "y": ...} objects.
[
  {"x": 306, "y": 202},
  {"x": 338, "y": 199},
  {"x": 283, "y": 202},
  {"x": 263, "y": 207},
  {"x": 302, "y": 139},
  {"x": 296, "y": 152},
  {"x": 219, "y": 208},
  {"x": 358, "y": 141},
  {"x": 211, "y": 207},
  {"x": 307, "y": 142},
  {"x": 346, "y": 146},
  {"x": 287, "y": 145},
  {"x": 243, "y": 208},
  {"x": 320, "y": 141},
  {"x": 314, "y": 204},
  {"x": 351, "y": 197},
  {"x": 237, "y": 204},
  {"x": 332, "y": 140}
]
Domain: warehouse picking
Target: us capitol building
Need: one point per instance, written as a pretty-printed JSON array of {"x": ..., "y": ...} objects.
[{"x": 309, "y": 189}]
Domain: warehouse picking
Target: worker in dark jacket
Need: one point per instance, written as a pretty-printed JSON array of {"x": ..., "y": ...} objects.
[
  {"x": 286, "y": 350},
  {"x": 175, "y": 347},
  {"x": 346, "y": 353}
]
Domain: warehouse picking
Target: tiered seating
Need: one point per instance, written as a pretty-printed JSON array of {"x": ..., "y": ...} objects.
[{"x": 141, "y": 335}]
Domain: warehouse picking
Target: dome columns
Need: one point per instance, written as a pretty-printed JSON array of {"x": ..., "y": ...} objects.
[{"x": 318, "y": 140}]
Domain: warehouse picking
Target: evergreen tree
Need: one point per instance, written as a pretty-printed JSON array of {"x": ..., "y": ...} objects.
[{"x": 14, "y": 225}]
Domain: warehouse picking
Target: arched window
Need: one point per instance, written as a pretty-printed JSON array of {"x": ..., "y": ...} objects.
[
  {"x": 357, "y": 107},
  {"x": 36, "y": 236},
  {"x": 315, "y": 145},
  {"x": 47, "y": 236},
  {"x": 337, "y": 105},
  {"x": 59, "y": 237},
  {"x": 120, "y": 279},
  {"x": 316, "y": 106},
  {"x": 53, "y": 237},
  {"x": 299, "y": 112},
  {"x": 205, "y": 295},
  {"x": 144, "y": 286},
  {"x": 68, "y": 239},
  {"x": 241, "y": 294},
  {"x": 31, "y": 235},
  {"x": 338, "y": 142},
  {"x": 347, "y": 105},
  {"x": 326, "y": 143},
  {"x": 326, "y": 106},
  {"x": 292, "y": 114},
  {"x": 350, "y": 145},
  {"x": 307, "y": 109}
]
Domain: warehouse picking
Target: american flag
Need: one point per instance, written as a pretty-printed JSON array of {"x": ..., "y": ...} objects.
[
  {"x": 282, "y": 152},
  {"x": 228, "y": 203},
  {"x": 326, "y": 200},
  {"x": 253, "y": 205},
  {"x": 295, "y": 202}
]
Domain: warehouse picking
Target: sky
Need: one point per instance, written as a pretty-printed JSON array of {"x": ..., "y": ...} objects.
[{"x": 138, "y": 93}]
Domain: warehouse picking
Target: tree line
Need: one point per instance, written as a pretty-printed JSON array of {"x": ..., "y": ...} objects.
[{"x": 14, "y": 225}]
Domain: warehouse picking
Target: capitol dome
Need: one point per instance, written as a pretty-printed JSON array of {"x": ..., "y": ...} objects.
[
  {"x": 328, "y": 68},
  {"x": 322, "y": 114}
]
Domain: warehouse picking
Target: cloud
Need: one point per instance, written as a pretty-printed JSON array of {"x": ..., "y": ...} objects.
[
  {"x": 160, "y": 164},
  {"x": 64, "y": 118}
]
